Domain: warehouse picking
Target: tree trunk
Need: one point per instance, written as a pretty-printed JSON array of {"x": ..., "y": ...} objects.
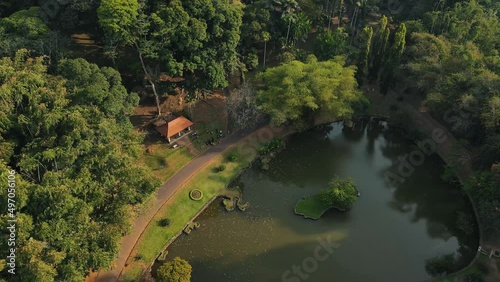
[
  {"x": 149, "y": 79},
  {"x": 332, "y": 12},
  {"x": 265, "y": 52},
  {"x": 340, "y": 11},
  {"x": 288, "y": 31}
]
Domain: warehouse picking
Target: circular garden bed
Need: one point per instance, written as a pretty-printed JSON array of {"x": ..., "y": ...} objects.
[{"x": 196, "y": 195}]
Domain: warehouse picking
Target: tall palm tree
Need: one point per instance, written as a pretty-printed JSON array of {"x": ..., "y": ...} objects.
[
  {"x": 266, "y": 37},
  {"x": 287, "y": 8}
]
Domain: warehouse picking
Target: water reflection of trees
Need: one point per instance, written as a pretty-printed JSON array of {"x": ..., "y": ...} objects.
[
  {"x": 423, "y": 196},
  {"x": 316, "y": 155},
  {"x": 311, "y": 156}
]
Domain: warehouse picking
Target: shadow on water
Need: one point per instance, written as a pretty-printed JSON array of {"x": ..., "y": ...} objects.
[{"x": 389, "y": 234}]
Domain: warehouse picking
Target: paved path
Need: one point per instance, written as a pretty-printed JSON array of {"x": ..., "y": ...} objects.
[{"x": 164, "y": 193}]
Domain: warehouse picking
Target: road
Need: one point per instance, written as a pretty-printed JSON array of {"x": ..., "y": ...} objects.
[{"x": 164, "y": 193}]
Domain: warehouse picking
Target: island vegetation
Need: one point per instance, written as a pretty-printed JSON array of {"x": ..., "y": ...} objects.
[
  {"x": 66, "y": 103},
  {"x": 341, "y": 194}
]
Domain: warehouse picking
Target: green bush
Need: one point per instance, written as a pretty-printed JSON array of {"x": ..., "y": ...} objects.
[
  {"x": 233, "y": 157},
  {"x": 274, "y": 144},
  {"x": 178, "y": 270},
  {"x": 164, "y": 222},
  {"x": 138, "y": 256},
  {"x": 220, "y": 168},
  {"x": 341, "y": 193}
]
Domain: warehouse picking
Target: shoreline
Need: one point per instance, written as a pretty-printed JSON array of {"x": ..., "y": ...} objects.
[{"x": 288, "y": 133}]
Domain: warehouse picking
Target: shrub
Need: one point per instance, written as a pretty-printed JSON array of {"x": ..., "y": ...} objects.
[
  {"x": 220, "y": 168},
  {"x": 233, "y": 157},
  {"x": 138, "y": 256},
  {"x": 178, "y": 270},
  {"x": 274, "y": 144},
  {"x": 164, "y": 222},
  {"x": 341, "y": 193}
]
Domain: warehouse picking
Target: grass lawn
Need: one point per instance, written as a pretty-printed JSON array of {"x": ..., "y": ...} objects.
[
  {"x": 206, "y": 132},
  {"x": 311, "y": 207},
  {"x": 209, "y": 116},
  {"x": 180, "y": 209},
  {"x": 164, "y": 161}
]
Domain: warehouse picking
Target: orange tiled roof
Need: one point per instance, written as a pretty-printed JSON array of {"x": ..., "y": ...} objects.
[{"x": 174, "y": 126}]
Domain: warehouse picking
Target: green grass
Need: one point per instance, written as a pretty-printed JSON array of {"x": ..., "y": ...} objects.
[
  {"x": 203, "y": 136},
  {"x": 164, "y": 161},
  {"x": 181, "y": 209},
  {"x": 311, "y": 207}
]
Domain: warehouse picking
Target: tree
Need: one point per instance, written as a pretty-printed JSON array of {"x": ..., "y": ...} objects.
[
  {"x": 425, "y": 55},
  {"x": 198, "y": 39},
  {"x": 466, "y": 21},
  {"x": 359, "y": 6},
  {"x": 27, "y": 29},
  {"x": 124, "y": 24},
  {"x": 71, "y": 143},
  {"x": 398, "y": 46},
  {"x": 364, "y": 53},
  {"x": 101, "y": 87},
  {"x": 287, "y": 9},
  {"x": 341, "y": 193},
  {"x": 117, "y": 17},
  {"x": 177, "y": 270},
  {"x": 255, "y": 30},
  {"x": 297, "y": 91},
  {"x": 301, "y": 28},
  {"x": 330, "y": 43},
  {"x": 393, "y": 59},
  {"x": 379, "y": 48},
  {"x": 491, "y": 113}
]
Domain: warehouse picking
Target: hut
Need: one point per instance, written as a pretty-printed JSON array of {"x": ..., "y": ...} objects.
[{"x": 173, "y": 128}]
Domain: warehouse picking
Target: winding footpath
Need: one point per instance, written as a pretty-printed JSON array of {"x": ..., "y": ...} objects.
[{"x": 164, "y": 193}]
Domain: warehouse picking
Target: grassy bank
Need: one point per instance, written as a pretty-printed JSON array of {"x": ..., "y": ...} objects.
[
  {"x": 180, "y": 209},
  {"x": 164, "y": 161},
  {"x": 311, "y": 207}
]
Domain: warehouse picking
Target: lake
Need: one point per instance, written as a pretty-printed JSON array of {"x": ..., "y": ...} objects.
[{"x": 389, "y": 234}]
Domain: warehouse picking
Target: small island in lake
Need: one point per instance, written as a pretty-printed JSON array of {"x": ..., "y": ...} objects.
[{"x": 340, "y": 194}]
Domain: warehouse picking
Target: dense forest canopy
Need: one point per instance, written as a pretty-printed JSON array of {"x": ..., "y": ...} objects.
[
  {"x": 69, "y": 138},
  {"x": 64, "y": 122}
]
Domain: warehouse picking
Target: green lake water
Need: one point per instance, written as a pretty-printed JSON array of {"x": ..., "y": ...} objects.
[{"x": 387, "y": 236}]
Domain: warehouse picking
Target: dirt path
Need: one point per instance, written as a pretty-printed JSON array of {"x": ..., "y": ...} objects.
[{"x": 164, "y": 193}]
